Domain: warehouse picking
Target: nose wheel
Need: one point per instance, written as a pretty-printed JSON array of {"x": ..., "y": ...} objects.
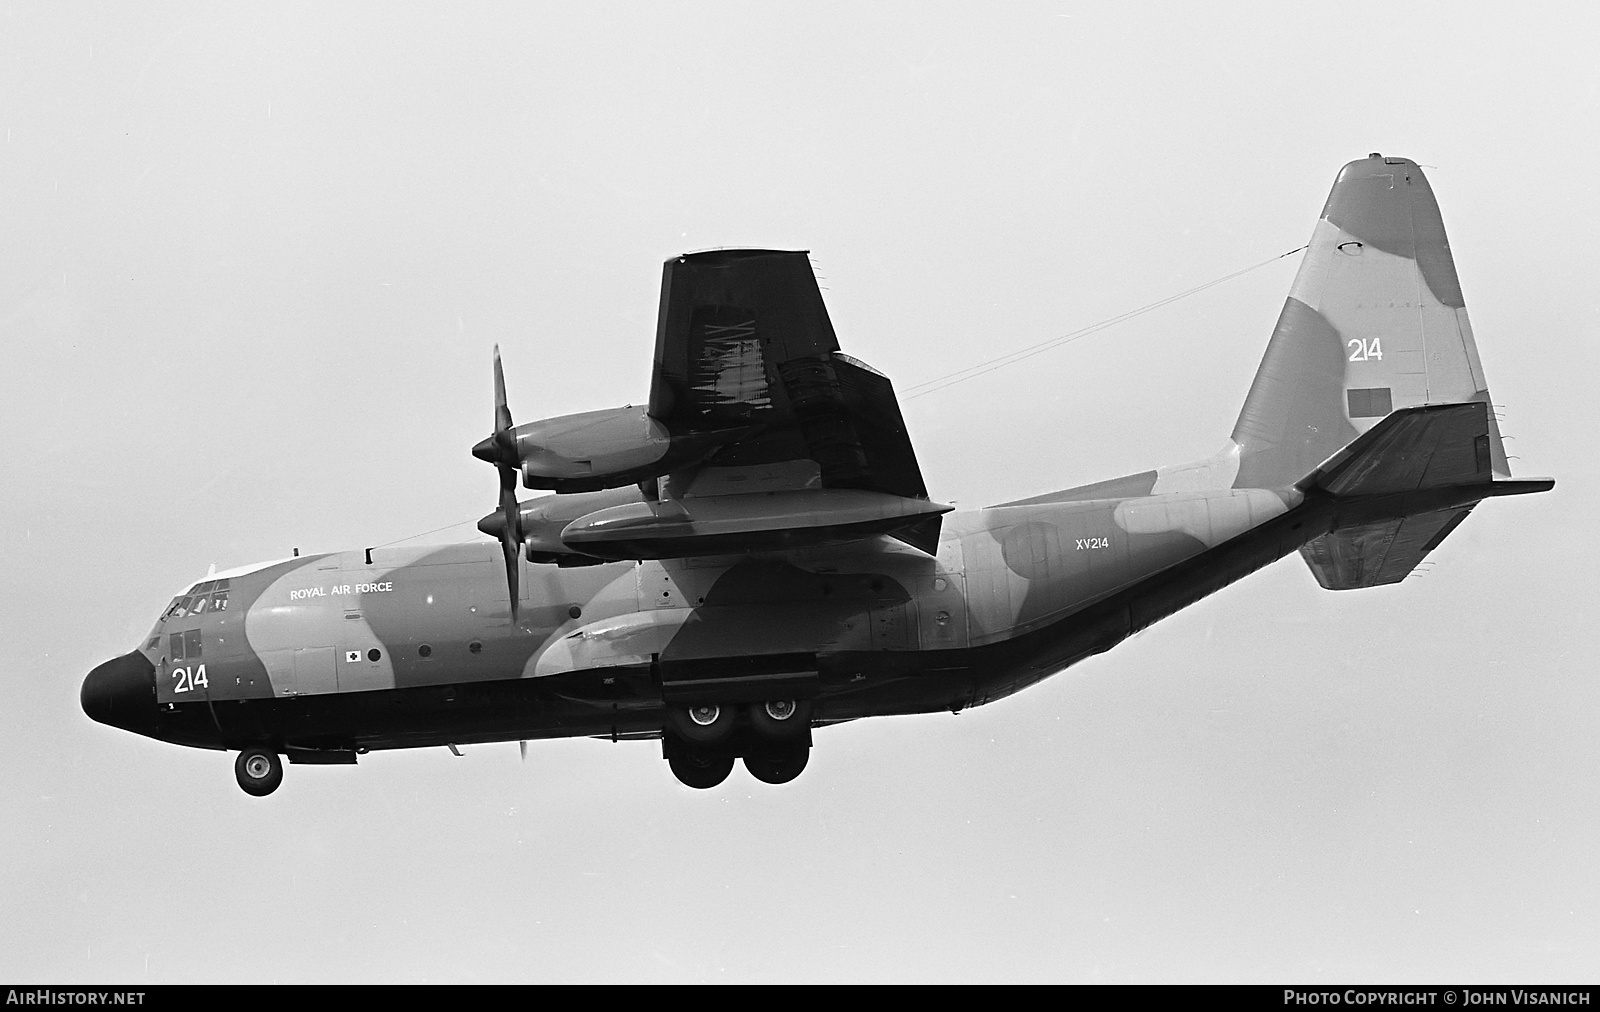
[{"x": 259, "y": 771}]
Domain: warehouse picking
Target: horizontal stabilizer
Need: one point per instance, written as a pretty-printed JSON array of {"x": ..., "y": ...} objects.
[
  {"x": 1402, "y": 487},
  {"x": 1428, "y": 446},
  {"x": 1376, "y": 554}
]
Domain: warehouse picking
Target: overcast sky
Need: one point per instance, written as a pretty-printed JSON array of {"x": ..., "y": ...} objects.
[{"x": 253, "y": 259}]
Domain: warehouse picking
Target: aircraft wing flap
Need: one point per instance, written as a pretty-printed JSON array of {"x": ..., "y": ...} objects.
[
  {"x": 729, "y": 321},
  {"x": 1377, "y": 554},
  {"x": 744, "y": 342}
]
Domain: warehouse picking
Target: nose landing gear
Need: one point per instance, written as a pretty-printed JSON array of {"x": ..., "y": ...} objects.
[{"x": 259, "y": 771}]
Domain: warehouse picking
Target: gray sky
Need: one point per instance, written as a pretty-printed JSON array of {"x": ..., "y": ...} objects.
[{"x": 252, "y": 261}]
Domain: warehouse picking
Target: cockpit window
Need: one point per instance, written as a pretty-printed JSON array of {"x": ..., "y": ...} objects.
[
  {"x": 191, "y": 644},
  {"x": 210, "y": 595},
  {"x": 175, "y": 646}
]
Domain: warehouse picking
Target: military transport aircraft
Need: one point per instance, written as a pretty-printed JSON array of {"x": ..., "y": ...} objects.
[{"x": 752, "y": 554}]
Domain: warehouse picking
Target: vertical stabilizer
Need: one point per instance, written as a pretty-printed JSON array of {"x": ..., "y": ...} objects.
[{"x": 1374, "y": 322}]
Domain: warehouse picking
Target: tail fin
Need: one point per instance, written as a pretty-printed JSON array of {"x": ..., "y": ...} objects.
[{"x": 1375, "y": 322}]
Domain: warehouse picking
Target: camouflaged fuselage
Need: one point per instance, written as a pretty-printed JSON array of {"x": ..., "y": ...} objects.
[
  {"x": 409, "y": 647},
  {"x": 1365, "y": 439}
]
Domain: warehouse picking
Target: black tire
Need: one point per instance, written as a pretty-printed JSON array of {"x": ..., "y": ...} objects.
[
  {"x": 777, "y": 767},
  {"x": 701, "y": 772},
  {"x": 703, "y": 723},
  {"x": 258, "y": 770},
  {"x": 781, "y": 719}
]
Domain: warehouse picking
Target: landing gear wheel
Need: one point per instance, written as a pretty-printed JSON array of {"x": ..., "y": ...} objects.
[
  {"x": 703, "y": 722},
  {"x": 701, "y": 771},
  {"x": 259, "y": 771},
  {"x": 781, "y": 719},
  {"x": 777, "y": 767}
]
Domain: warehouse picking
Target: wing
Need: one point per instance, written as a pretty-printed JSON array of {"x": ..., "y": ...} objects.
[{"x": 744, "y": 342}]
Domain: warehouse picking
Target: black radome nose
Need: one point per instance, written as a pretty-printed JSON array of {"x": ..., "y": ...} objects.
[{"x": 122, "y": 692}]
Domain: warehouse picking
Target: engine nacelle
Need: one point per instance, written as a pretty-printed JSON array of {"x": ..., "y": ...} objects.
[
  {"x": 543, "y": 520},
  {"x": 766, "y": 522},
  {"x": 595, "y": 450},
  {"x": 540, "y": 522}
]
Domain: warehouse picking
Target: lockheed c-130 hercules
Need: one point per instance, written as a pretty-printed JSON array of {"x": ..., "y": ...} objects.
[{"x": 753, "y": 555}]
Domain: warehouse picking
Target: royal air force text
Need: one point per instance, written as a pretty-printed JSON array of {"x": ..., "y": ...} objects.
[{"x": 340, "y": 589}]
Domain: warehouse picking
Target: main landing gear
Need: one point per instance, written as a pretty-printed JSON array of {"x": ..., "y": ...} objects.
[
  {"x": 699, "y": 769},
  {"x": 259, "y": 771},
  {"x": 773, "y": 737}
]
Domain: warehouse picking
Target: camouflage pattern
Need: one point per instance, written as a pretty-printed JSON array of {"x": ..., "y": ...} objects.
[{"x": 1363, "y": 441}]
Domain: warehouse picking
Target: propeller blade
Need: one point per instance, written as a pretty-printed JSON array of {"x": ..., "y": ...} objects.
[
  {"x": 510, "y": 532},
  {"x": 500, "y": 449},
  {"x": 502, "y": 412}
]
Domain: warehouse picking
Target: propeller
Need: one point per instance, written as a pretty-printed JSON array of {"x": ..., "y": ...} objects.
[{"x": 500, "y": 450}]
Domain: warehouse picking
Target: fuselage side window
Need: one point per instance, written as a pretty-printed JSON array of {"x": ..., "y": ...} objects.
[
  {"x": 191, "y": 644},
  {"x": 175, "y": 644}
]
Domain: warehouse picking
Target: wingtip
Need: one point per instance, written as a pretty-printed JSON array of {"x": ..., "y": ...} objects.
[{"x": 1522, "y": 486}]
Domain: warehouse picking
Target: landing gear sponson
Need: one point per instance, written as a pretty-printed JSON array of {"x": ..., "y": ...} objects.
[{"x": 702, "y": 740}]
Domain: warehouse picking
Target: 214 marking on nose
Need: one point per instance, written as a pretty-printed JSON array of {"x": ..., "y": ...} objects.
[{"x": 190, "y": 679}]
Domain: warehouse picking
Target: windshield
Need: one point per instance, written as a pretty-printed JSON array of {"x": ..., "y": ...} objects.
[{"x": 212, "y": 595}]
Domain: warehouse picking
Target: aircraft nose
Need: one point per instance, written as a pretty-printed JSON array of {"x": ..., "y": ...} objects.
[{"x": 122, "y": 692}]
